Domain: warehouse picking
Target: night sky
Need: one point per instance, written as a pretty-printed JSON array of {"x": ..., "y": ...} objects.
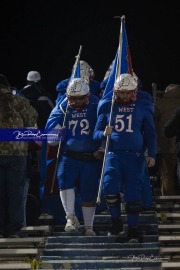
[{"x": 46, "y": 36}]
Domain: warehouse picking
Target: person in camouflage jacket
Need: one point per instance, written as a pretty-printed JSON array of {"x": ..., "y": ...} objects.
[{"x": 15, "y": 112}]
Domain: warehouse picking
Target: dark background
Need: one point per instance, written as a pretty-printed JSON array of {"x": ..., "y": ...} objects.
[{"x": 46, "y": 36}]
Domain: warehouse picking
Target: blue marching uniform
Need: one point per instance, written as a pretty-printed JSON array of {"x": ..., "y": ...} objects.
[
  {"x": 133, "y": 132},
  {"x": 76, "y": 161}
]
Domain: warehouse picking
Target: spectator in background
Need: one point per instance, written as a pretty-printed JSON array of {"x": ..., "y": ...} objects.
[
  {"x": 43, "y": 103},
  {"x": 15, "y": 113},
  {"x": 166, "y": 146},
  {"x": 38, "y": 97},
  {"x": 172, "y": 129}
]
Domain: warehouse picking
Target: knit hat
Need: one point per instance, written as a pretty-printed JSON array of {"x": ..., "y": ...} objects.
[
  {"x": 4, "y": 80},
  {"x": 33, "y": 76}
]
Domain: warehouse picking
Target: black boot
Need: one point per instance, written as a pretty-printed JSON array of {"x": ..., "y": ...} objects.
[
  {"x": 133, "y": 235},
  {"x": 117, "y": 226}
]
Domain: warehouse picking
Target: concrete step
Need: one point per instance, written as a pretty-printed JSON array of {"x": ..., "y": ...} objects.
[
  {"x": 73, "y": 250},
  {"x": 169, "y": 228},
  {"x": 171, "y": 250},
  {"x": 124, "y": 268},
  {"x": 170, "y": 265},
  {"x": 18, "y": 252},
  {"x": 102, "y": 245},
  {"x": 167, "y": 206},
  {"x": 46, "y": 219},
  {"x": 106, "y": 228},
  {"x": 46, "y": 216},
  {"x": 168, "y": 216},
  {"x": 37, "y": 230},
  {"x": 74, "y": 238},
  {"x": 99, "y": 252},
  {"x": 16, "y": 265},
  {"x": 169, "y": 239},
  {"x": 144, "y": 218},
  {"x": 22, "y": 242},
  {"x": 143, "y": 262},
  {"x": 160, "y": 199},
  {"x": 145, "y": 236}
]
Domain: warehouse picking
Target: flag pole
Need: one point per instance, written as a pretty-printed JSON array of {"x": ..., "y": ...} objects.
[
  {"x": 65, "y": 115},
  {"x": 118, "y": 70}
]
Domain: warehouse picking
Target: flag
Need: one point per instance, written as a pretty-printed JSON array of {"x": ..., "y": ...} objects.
[
  {"x": 112, "y": 78},
  {"x": 76, "y": 68},
  {"x": 121, "y": 64},
  {"x": 76, "y": 73},
  {"x": 126, "y": 63}
]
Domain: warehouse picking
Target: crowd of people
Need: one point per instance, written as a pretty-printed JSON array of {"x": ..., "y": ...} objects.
[{"x": 112, "y": 141}]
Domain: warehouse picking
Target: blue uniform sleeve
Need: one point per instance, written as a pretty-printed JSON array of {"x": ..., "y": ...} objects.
[
  {"x": 102, "y": 121},
  {"x": 99, "y": 128},
  {"x": 56, "y": 117}
]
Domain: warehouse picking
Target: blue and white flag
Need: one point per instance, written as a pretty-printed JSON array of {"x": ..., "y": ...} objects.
[{"x": 121, "y": 64}]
